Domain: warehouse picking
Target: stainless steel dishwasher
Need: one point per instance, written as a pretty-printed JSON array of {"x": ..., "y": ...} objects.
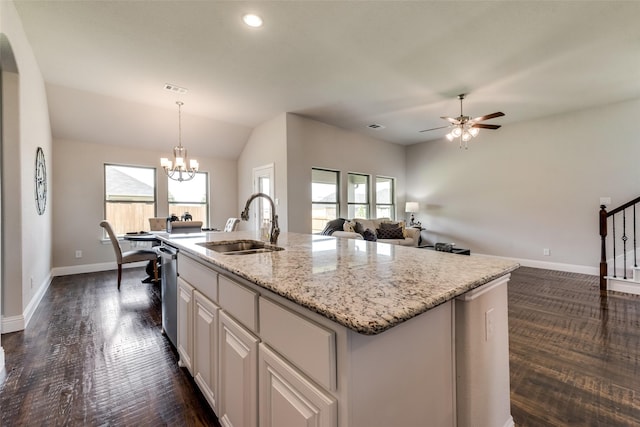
[{"x": 169, "y": 274}]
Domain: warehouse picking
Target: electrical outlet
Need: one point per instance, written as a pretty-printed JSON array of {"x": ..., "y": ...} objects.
[
  {"x": 546, "y": 252},
  {"x": 489, "y": 325},
  {"x": 78, "y": 254}
]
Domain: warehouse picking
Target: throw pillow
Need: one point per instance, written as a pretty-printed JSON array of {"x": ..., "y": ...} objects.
[
  {"x": 333, "y": 225},
  {"x": 404, "y": 229},
  {"x": 386, "y": 225},
  {"x": 349, "y": 226},
  {"x": 369, "y": 235},
  {"x": 390, "y": 233}
]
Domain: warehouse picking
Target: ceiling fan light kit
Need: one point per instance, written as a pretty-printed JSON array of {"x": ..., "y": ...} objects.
[{"x": 464, "y": 127}]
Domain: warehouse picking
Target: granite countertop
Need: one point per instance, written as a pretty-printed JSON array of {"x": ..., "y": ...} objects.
[{"x": 365, "y": 286}]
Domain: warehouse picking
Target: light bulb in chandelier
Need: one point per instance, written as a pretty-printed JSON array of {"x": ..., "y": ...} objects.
[
  {"x": 466, "y": 136},
  {"x": 456, "y": 132},
  {"x": 450, "y": 136},
  {"x": 474, "y": 132}
]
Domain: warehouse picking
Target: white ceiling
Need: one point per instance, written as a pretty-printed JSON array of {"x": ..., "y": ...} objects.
[{"x": 346, "y": 63}]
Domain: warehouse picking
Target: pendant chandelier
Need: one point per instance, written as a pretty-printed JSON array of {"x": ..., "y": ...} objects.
[{"x": 177, "y": 169}]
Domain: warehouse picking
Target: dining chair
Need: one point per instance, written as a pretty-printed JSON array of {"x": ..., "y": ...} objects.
[
  {"x": 231, "y": 225},
  {"x": 130, "y": 256}
]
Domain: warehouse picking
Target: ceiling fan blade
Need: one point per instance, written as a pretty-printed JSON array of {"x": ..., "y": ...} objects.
[
  {"x": 483, "y": 126},
  {"x": 452, "y": 120},
  {"x": 441, "y": 127},
  {"x": 488, "y": 116}
]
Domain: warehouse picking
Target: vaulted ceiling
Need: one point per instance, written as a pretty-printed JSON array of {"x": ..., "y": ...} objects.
[{"x": 399, "y": 64}]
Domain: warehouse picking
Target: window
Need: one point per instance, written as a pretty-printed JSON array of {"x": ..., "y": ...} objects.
[
  {"x": 358, "y": 195},
  {"x": 325, "y": 203},
  {"x": 129, "y": 197},
  {"x": 190, "y": 196},
  {"x": 385, "y": 198}
]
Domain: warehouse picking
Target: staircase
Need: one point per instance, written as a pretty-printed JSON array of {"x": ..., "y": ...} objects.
[
  {"x": 623, "y": 264},
  {"x": 630, "y": 285}
]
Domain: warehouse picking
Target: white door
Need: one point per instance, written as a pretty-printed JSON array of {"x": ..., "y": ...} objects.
[
  {"x": 287, "y": 398},
  {"x": 205, "y": 347},
  {"x": 263, "y": 182},
  {"x": 185, "y": 324},
  {"x": 238, "y": 374}
]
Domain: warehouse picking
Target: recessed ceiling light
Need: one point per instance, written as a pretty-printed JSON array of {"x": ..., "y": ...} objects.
[{"x": 252, "y": 20}]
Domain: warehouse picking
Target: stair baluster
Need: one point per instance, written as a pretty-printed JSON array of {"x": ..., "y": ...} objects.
[{"x": 604, "y": 225}]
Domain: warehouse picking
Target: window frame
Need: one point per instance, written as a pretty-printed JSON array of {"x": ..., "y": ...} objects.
[
  {"x": 391, "y": 205},
  {"x": 367, "y": 204},
  {"x": 335, "y": 203},
  {"x": 107, "y": 201},
  {"x": 207, "y": 203}
]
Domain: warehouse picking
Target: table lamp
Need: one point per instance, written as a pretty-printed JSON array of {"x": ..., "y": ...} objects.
[{"x": 412, "y": 207}]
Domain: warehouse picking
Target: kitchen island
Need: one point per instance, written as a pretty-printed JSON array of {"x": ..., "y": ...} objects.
[{"x": 342, "y": 332}]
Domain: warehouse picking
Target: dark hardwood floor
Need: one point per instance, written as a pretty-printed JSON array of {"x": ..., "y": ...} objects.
[
  {"x": 574, "y": 353},
  {"x": 93, "y": 356}
]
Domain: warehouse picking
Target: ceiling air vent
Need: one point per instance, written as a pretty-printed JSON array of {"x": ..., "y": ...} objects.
[
  {"x": 175, "y": 89},
  {"x": 375, "y": 126}
]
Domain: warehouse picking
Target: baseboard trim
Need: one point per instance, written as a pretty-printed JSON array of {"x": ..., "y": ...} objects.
[
  {"x": 2, "y": 368},
  {"x": 570, "y": 268},
  {"x": 13, "y": 323},
  {"x": 20, "y": 322},
  {"x": 35, "y": 301},
  {"x": 92, "y": 268}
]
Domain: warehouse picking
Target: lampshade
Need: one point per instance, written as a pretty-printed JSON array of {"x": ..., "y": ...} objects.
[{"x": 411, "y": 207}]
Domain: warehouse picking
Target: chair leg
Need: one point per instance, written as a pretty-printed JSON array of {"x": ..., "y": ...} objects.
[
  {"x": 119, "y": 275},
  {"x": 155, "y": 270}
]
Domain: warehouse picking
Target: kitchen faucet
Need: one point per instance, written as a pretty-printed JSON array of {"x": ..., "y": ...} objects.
[{"x": 275, "y": 229}]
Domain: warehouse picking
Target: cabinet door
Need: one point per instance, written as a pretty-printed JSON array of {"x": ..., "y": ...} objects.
[
  {"x": 205, "y": 347},
  {"x": 238, "y": 374},
  {"x": 287, "y": 398},
  {"x": 185, "y": 324}
]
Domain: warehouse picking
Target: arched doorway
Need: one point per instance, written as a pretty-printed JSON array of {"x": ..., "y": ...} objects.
[{"x": 7, "y": 65}]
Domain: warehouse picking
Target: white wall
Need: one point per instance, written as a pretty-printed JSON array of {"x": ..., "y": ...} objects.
[
  {"x": 313, "y": 144},
  {"x": 530, "y": 185},
  {"x": 79, "y": 202},
  {"x": 267, "y": 144},
  {"x": 33, "y": 238}
]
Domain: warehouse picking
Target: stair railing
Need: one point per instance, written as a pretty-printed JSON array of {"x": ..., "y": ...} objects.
[{"x": 620, "y": 213}]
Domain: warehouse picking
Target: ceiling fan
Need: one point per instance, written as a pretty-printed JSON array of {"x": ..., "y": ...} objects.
[{"x": 465, "y": 127}]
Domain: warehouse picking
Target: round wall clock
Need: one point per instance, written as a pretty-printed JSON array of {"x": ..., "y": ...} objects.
[{"x": 41, "y": 182}]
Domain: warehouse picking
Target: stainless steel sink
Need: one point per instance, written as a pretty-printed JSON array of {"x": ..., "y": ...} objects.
[{"x": 240, "y": 247}]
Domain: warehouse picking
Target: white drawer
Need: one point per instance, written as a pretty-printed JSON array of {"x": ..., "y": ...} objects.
[
  {"x": 204, "y": 279},
  {"x": 307, "y": 345},
  {"x": 240, "y": 302}
]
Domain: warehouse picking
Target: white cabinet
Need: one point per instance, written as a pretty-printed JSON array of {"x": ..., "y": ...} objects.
[
  {"x": 185, "y": 324},
  {"x": 205, "y": 347},
  {"x": 287, "y": 398},
  {"x": 238, "y": 366}
]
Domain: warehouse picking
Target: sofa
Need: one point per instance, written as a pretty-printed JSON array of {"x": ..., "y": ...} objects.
[{"x": 382, "y": 230}]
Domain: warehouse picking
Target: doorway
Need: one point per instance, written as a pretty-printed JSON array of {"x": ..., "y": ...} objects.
[{"x": 263, "y": 182}]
